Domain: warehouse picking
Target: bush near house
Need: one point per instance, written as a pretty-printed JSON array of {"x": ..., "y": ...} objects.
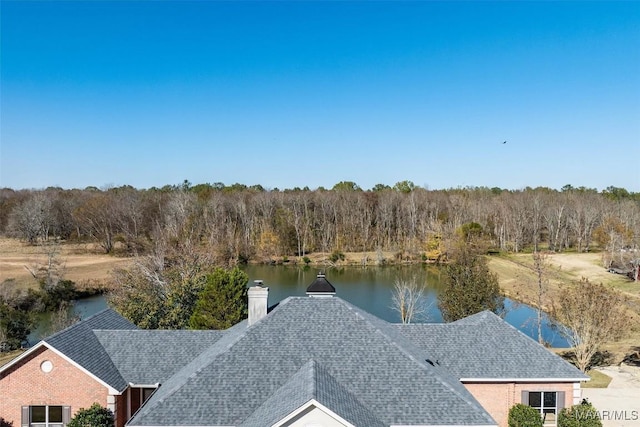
[
  {"x": 521, "y": 415},
  {"x": 95, "y": 416},
  {"x": 582, "y": 415}
]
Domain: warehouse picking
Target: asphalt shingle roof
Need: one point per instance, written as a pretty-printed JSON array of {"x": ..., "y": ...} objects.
[
  {"x": 355, "y": 353},
  {"x": 485, "y": 346},
  {"x": 367, "y": 371},
  {"x": 79, "y": 343},
  {"x": 150, "y": 357},
  {"x": 312, "y": 381}
]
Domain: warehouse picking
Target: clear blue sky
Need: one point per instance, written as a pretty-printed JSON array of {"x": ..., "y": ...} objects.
[{"x": 312, "y": 93}]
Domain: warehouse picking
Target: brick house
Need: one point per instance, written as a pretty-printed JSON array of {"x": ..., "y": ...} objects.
[{"x": 315, "y": 360}]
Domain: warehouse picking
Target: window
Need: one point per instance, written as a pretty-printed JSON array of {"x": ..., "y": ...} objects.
[
  {"x": 137, "y": 397},
  {"x": 549, "y": 403},
  {"x": 45, "y": 416},
  {"x": 146, "y": 393}
]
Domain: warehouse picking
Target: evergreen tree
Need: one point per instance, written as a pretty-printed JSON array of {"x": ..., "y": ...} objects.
[
  {"x": 15, "y": 326},
  {"x": 469, "y": 288},
  {"x": 223, "y": 302}
]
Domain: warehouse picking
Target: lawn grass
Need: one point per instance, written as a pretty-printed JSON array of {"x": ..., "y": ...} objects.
[
  {"x": 598, "y": 380},
  {"x": 518, "y": 281}
]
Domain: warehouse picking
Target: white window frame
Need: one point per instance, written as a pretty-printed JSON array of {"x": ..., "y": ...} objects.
[{"x": 542, "y": 408}]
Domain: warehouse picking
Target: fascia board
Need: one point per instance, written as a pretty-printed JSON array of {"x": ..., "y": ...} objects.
[{"x": 318, "y": 405}]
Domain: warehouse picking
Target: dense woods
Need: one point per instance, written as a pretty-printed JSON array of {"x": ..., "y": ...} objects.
[{"x": 238, "y": 223}]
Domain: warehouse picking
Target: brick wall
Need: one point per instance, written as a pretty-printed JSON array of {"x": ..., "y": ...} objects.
[
  {"x": 25, "y": 384},
  {"x": 498, "y": 398}
]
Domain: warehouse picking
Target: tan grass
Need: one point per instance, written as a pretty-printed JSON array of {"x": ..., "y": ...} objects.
[
  {"x": 82, "y": 263},
  {"x": 518, "y": 281},
  {"x": 9, "y": 356}
]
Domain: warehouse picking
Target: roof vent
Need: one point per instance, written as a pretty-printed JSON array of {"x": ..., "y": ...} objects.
[{"x": 321, "y": 287}]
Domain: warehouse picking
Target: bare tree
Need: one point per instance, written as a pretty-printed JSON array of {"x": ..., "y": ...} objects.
[
  {"x": 31, "y": 220},
  {"x": 62, "y": 318},
  {"x": 236, "y": 223},
  {"x": 51, "y": 271},
  {"x": 589, "y": 316},
  {"x": 540, "y": 266},
  {"x": 97, "y": 218},
  {"x": 409, "y": 299},
  {"x": 613, "y": 236}
]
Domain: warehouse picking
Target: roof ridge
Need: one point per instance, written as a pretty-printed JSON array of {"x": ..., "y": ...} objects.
[
  {"x": 196, "y": 365},
  {"x": 78, "y": 324},
  {"x": 205, "y": 358},
  {"x": 316, "y": 389},
  {"x": 437, "y": 371}
]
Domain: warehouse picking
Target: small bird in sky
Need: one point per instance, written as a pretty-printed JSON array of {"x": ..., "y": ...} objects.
[{"x": 504, "y": 142}]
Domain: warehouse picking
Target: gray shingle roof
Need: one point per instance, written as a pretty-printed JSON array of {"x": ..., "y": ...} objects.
[
  {"x": 312, "y": 381},
  {"x": 79, "y": 343},
  {"x": 485, "y": 346},
  {"x": 359, "y": 354},
  {"x": 366, "y": 370},
  {"x": 150, "y": 357}
]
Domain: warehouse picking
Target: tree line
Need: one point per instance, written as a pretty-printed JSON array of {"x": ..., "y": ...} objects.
[{"x": 238, "y": 223}]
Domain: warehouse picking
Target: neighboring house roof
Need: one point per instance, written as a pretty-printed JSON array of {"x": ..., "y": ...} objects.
[
  {"x": 483, "y": 346},
  {"x": 353, "y": 354},
  {"x": 145, "y": 357}
]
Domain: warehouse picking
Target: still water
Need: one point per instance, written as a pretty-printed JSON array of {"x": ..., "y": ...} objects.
[{"x": 369, "y": 288}]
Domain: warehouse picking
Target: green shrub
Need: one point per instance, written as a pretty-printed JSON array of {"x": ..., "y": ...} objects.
[
  {"x": 582, "y": 415},
  {"x": 15, "y": 326},
  {"x": 63, "y": 291},
  {"x": 521, "y": 415},
  {"x": 5, "y": 423},
  {"x": 336, "y": 256},
  {"x": 306, "y": 260},
  {"x": 95, "y": 416}
]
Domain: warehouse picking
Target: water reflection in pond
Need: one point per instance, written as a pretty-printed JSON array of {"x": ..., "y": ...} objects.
[{"x": 369, "y": 288}]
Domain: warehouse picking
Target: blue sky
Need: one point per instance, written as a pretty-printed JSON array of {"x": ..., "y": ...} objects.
[{"x": 287, "y": 94}]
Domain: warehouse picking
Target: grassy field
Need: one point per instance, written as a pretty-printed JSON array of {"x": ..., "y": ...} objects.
[
  {"x": 519, "y": 281},
  {"x": 82, "y": 263}
]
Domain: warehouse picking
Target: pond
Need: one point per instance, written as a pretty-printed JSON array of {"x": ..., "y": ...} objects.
[{"x": 369, "y": 288}]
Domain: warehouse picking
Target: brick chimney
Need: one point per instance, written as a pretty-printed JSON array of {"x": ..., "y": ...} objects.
[{"x": 257, "y": 302}]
